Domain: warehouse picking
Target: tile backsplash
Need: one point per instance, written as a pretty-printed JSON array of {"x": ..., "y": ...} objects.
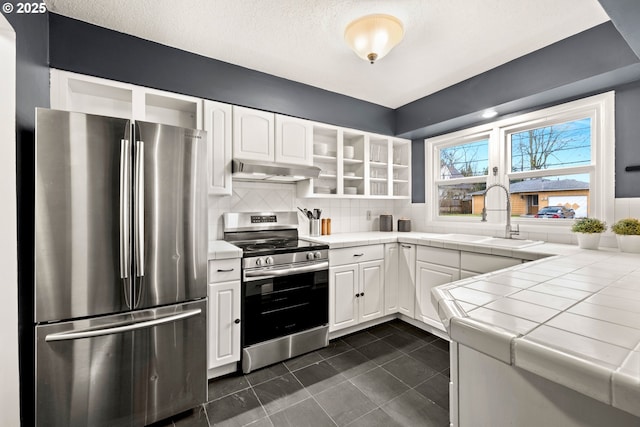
[
  {"x": 347, "y": 215},
  {"x": 350, "y": 215}
]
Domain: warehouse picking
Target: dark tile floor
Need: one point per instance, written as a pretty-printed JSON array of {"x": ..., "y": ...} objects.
[{"x": 390, "y": 375}]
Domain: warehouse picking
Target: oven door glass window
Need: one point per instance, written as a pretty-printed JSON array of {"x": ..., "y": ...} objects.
[{"x": 280, "y": 306}]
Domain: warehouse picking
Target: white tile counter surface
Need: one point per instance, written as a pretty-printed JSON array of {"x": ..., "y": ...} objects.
[
  {"x": 573, "y": 318},
  {"x": 219, "y": 249}
]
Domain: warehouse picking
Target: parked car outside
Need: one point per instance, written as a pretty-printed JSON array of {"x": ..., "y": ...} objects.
[{"x": 555, "y": 212}]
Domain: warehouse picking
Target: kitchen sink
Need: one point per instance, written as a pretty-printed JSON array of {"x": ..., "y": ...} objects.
[
  {"x": 462, "y": 237},
  {"x": 497, "y": 242},
  {"x": 509, "y": 243}
]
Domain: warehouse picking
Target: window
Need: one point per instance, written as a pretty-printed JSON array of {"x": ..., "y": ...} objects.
[
  {"x": 557, "y": 157},
  {"x": 463, "y": 172}
]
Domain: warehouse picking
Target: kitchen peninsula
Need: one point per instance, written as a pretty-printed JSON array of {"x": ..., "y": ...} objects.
[{"x": 552, "y": 341}]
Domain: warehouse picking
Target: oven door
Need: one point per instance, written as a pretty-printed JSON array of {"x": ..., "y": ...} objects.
[{"x": 283, "y": 300}]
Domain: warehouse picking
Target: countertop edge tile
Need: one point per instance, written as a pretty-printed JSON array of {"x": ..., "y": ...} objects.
[
  {"x": 491, "y": 340},
  {"x": 625, "y": 391},
  {"x": 589, "y": 378}
]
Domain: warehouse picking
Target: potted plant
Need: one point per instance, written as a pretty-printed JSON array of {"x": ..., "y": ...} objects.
[
  {"x": 628, "y": 234},
  {"x": 588, "y": 232}
]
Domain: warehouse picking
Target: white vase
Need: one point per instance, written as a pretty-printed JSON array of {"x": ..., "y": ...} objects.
[
  {"x": 628, "y": 243},
  {"x": 588, "y": 240}
]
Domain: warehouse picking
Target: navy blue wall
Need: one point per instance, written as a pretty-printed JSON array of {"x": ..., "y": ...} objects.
[
  {"x": 88, "y": 49},
  {"x": 32, "y": 90},
  {"x": 591, "y": 62}
]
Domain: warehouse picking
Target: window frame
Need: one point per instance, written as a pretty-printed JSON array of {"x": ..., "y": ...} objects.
[{"x": 599, "y": 108}]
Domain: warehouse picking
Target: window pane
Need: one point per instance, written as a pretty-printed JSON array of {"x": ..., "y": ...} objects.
[
  {"x": 459, "y": 200},
  {"x": 464, "y": 160},
  {"x": 537, "y": 196},
  {"x": 552, "y": 147}
]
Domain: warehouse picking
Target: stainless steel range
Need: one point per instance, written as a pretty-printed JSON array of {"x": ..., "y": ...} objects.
[{"x": 285, "y": 287}]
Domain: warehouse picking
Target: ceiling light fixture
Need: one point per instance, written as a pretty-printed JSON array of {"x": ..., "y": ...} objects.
[
  {"x": 489, "y": 114},
  {"x": 373, "y": 36}
]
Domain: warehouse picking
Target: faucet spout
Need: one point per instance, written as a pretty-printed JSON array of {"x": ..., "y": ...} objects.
[{"x": 509, "y": 230}]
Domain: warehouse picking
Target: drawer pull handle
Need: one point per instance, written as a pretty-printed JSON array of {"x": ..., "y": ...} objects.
[
  {"x": 406, "y": 246},
  {"x": 358, "y": 254},
  {"x": 236, "y": 321},
  {"x": 361, "y": 294},
  {"x": 225, "y": 270},
  {"x": 357, "y": 295}
]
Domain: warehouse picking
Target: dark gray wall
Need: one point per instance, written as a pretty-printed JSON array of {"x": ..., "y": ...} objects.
[
  {"x": 625, "y": 15},
  {"x": 84, "y": 48},
  {"x": 32, "y": 90},
  {"x": 593, "y": 61},
  {"x": 627, "y": 139},
  {"x": 535, "y": 79}
]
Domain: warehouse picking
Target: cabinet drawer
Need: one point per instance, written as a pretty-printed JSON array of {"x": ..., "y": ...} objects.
[
  {"x": 448, "y": 257},
  {"x": 354, "y": 254},
  {"x": 484, "y": 263},
  {"x": 224, "y": 270}
]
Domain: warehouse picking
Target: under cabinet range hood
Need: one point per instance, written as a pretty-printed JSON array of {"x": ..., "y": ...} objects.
[{"x": 253, "y": 170}]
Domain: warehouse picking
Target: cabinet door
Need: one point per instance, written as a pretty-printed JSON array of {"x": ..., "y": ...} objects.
[
  {"x": 371, "y": 299},
  {"x": 253, "y": 134},
  {"x": 343, "y": 287},
  {"x": 294, "y": 141},
  {"x": 391, "y": 278},
  {"x": 217, "y": 123},
  {"x": 429, "y": 276},
  {"x": 406, "y": 279},
  {"x": 224, "y": 324}
]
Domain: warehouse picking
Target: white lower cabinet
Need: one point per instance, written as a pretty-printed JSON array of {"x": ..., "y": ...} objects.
[
  {"x": 429, "y": 276},
  {"x": 406, "y": 279},
  {"x": 356, "y": 293},
  {"x": 224, "y": 324},
  {"x": 391, "y": 278},
  {"x": 223, "y": 316}
]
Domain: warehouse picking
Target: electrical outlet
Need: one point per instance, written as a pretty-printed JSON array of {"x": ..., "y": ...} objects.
[{"x": 368, "y": 215}]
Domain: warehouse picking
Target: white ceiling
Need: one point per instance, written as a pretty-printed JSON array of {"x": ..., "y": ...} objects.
[{"x": 446, "y": 41}]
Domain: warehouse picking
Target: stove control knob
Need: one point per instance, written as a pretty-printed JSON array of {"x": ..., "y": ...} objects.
[
  {"x": 310, "y": 255},
  {"x": 317, "y": 255},
  {"x": 268, "y": 260},
  {"x": 259, "y": 262}
]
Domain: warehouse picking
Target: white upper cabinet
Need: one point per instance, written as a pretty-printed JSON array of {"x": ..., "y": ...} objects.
[
  {"x": 93, "y": 95},
  {"x": 217, "y": 123},
  {"x": 294, "y": 141},
  {"x": 263, "y": 136},
  {"x": 253, "y": 134}
]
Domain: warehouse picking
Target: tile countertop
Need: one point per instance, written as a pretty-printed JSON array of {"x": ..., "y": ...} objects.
[
  {"x": 573, "y": 319},
  {"x": 219, "y": 249},
  {"x": 571, "y": 316}
]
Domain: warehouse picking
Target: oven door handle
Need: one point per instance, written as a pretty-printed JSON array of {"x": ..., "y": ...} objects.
[{"x": 284, "y": 271}]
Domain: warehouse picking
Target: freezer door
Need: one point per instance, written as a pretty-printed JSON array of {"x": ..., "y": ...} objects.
[
  {"x": 82, "y": 202},
  {"x": 170, "y": 215},
  {"x": 121, "y": 370}
]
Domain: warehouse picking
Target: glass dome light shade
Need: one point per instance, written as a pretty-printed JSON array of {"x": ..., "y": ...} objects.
[{"x": 373, "y": 36}]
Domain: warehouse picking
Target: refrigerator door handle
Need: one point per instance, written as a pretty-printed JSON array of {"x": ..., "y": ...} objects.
[
  {"x": 125, "y": 209},
  {"x": 79, "y": 334},
  {"x": 139, "y": 208}
]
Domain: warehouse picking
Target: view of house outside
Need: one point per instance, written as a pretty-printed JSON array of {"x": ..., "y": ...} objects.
[{"x": 556, "y": 149}]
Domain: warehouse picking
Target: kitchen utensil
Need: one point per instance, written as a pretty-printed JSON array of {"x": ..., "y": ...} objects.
[
  {"x": 314, "y": 227},
  {"x": 304, "y": 211},
  {"x": 317, "y": 213}
]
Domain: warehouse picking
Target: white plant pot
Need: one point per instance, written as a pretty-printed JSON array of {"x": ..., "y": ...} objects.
[
  {"x": 588, "y": 240},
  {"x": 628, "y": 243}
]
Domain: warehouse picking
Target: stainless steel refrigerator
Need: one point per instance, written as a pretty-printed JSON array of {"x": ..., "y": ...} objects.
[{"x": 120, "y": 270}]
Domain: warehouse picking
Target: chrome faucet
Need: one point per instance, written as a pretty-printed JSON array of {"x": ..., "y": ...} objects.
[{"x": 508, "y": 231}]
